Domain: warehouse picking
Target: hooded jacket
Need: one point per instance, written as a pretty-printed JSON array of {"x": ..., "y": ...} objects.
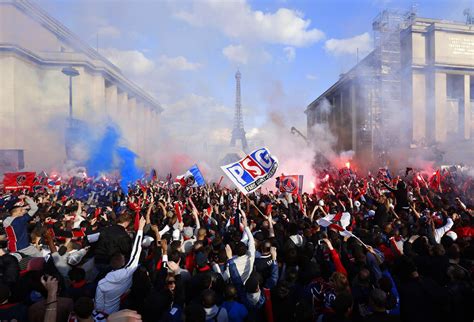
[
  {"x": 116, "y": 283},
  {"x": 216, "y": 314}
]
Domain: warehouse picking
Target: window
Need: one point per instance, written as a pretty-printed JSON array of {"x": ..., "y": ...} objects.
[{"x": 454, "y": 86}]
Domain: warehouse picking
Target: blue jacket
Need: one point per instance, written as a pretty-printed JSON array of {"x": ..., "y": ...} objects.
[
  {"x": 17, "y": 232},
  {"x": 237, "y": 281},
  {"x": 236, "y": 312}
]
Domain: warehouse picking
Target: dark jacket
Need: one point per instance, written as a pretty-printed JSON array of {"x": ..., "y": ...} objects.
[
  {"x": 422, "y": 300},
  {"x": 113, "y": 239},
  {"x": 10, "y": 311}
]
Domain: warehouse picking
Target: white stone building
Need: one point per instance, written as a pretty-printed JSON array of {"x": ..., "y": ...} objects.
[{"x": 34, "y": 93}]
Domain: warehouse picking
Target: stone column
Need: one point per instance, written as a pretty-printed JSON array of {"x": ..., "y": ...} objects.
[
  {"x": 111, "y": 102},
  {"x": 440, "y": 106},
  {"x": 139, "y": 123},
  {"x": 340, "y": 122},
  {"x": 7, "y": 103},
  {"x": 122, "y": 106},
  {"x": 79, "y": 94},
  {"x": 467, "y": 107},
  {"x": 418, "y": 105},
  {"x": 353, "y": 117},
  {"x": 97, "y": 97},
  {"x": 132, "y": 120}
]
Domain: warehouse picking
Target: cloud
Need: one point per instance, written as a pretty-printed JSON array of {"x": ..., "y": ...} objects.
[
  {"x": 131, "y": 62},
  {"x": 311, "y": 77},
  {"x": 109, "y": 31},
  {"x": 349, "y": 46},
  {"x": 236, "y": 54},
  {"x": 290, "y": 53},
  {"x": 211, "y": 125},
  {"x": 253, "y": 133},
  {"x": 178, "y": 63},
  {"x": 238, "y": 20}
]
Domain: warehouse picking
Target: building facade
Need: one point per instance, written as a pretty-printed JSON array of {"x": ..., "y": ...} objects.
[
  {"x": 34, "y": 95},
  {"x": 411, "y": 92}
]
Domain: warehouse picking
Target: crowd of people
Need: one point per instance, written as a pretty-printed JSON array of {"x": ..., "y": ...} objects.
[{"x": 358, "y": 248}]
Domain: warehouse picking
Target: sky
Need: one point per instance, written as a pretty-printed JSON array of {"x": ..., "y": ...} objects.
[{"x": 186, "y": 53}]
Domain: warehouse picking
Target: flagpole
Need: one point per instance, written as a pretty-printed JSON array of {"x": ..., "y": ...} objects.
[
  {"x": 220, "y": 180},
  {"x": 253, "y": 204}
]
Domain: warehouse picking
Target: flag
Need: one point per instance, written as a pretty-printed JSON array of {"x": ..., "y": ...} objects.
[
  {"x": 40, "y": 179},
  {"x": 178, "y": 208},
  {"x": 384, "y": 173},
  {"x": 192, "y": 178},
  {"x": 153, "y": 174},
  {"x": 325, "y": 222},
  {"x": 18, "y": 180},
  {"x": 268, "y": 209},
  {"x": 300, "y": 202},
  {"x": 341, "y": 219},
  {"x": 249, "y": 173},
  {"x": 53, "y": 181},
  {"x": 291, "y": 184},
  {"x": 435, "y": 180}
]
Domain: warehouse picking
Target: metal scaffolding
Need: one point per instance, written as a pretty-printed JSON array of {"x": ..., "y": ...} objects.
[{"x": 386, "y": 98}]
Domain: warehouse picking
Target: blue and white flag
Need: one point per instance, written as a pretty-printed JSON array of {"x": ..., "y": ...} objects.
[
  {"x": 249, "y": 173},
  {"x": 192, "y": 178}
]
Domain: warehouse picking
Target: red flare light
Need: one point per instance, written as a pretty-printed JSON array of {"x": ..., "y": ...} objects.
[{"x": 348, "y": 165}]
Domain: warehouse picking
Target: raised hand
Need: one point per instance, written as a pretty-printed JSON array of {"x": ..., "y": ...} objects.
[
  {"x": 50, "y": 284},
  {"x": 173, "y": 266},
  {"x": 228, "y": 251},
  {"x": 142, "y": 223},
  {"x": 164, "y": 246},
  {"x": 273, "y": 252}
]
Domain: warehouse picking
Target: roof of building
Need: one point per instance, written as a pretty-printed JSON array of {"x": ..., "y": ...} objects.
[
  {"x": 418, "y": 23},
  {"x": 343, "y": 78},
  {"x": 84, "y": 54}
]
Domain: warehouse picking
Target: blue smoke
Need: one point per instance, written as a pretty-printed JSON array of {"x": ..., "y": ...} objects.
[
  {"x": 129, "y": 172},
  {"x": 106, "y": 155},
  {"x": 102, "y": 155}
]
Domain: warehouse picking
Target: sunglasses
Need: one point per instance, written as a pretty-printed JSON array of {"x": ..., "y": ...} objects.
[{"x": 171, "y": 282}]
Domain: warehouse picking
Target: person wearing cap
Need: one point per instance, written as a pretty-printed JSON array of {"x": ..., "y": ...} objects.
[{"x": 16, "y": 226}]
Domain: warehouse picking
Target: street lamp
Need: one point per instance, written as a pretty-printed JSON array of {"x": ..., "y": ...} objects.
[{"x": 71, "y": 72}]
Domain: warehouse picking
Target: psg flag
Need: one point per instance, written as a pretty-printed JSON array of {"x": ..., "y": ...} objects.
[
  {"x": 291, "y": 184},
  {"x": 19, "y": 180}
]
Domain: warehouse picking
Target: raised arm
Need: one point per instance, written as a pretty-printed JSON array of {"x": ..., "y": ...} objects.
[
  {"x": 335, "y": 258},
  {"x": 33, "y": 206},
  {"x": 137, "y": 248},
  {"x": 249, "y": 236}
]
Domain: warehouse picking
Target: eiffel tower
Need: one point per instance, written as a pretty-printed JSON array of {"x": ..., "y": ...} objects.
[{"x": 238, "y": 132}]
